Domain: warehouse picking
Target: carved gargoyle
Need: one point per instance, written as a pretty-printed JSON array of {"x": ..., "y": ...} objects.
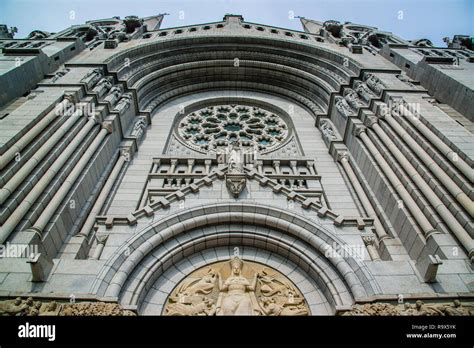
[{"x": 236, "y": 184}]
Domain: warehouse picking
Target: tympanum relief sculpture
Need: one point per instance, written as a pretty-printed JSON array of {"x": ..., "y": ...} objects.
[{"x": 236, "y": 287}]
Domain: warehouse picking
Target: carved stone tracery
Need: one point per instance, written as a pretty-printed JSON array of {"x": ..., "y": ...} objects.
[{"x": 216, "y": 127}]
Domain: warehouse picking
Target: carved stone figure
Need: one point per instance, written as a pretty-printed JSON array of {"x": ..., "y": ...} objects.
[
  {"x": 235, "y": 287},
  {"x": 418, "y": 309},
  {"x": 59, "y": 74},
  {"x": 124, "y": 103},
  {"x": 374, "y": 83},
  {"x": 103, "y": 86},
  {"x": 271, "y": 308},
  {"x": 237, "y": 293},
  {"x": 405, "y": 79},
  {"x": 139, "y": 128},
  {"x": 328, "y": 131},
  {"x": 92, "y": 77},
  {"x": 201, "y": 285},
  {"x": 50, "y": 309},
  {"x": 13, "y": 307},
  {"x": 364, "y": 91},
  {"x": 235, "y": 185},
  {"x": 353, "y": 99},
  {"x": 29, "y": 307},
  {"x": 204, "y": 308},
  {"x": 114, "y": 94},
  {"x": 343, "y": 107},
  {"x": 457, "y": 309},
  {"x": 235, "y": 157}
]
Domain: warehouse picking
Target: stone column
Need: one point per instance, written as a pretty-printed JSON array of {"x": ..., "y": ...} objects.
[
  {"x": 190, "y": 166},
  {"x": 65, "y": 104},
  {"x": 426, "y": 190},
  {"x": 85, "y": 231},
  {"x": 39, "y": 155},
  {"x": 276, "y": 165},
  {"x": 344, "y": 160},
  {"x": 438, "y": 143},
  {"x": 207, "y": 164},
  {"x": 174, "y": 163},
  {"x": 101, "y": 240},
  {"x": 41, "y": 185},
  {"x": 369, "y": 242},
  {"x": 408, "y": 201},
  {"x": 293, "y": 167},
  {"x": 310, "y": 165},
  {"x": 61, "y": 193},
  {"x": 260, "y": 167},
  {"x": 439, "y": 173}
]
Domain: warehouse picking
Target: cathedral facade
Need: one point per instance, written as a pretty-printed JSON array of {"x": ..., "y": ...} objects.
[{"x": 235, "y": 168}]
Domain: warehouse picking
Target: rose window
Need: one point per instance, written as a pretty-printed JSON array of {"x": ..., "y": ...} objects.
[{"x": 218, "y": 126}]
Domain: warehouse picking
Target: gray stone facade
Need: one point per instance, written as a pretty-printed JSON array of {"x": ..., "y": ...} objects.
[{"x": 354, "y": 176}]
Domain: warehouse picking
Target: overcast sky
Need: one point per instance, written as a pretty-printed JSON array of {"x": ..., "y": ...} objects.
[{"x": 409, "y": 19}]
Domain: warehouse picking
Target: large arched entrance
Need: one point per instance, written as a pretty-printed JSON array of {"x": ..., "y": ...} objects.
[{"x": 164, "y": 252}]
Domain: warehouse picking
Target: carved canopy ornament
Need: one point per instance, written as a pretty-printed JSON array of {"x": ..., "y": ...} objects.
[{"x": 235, "y": 287}]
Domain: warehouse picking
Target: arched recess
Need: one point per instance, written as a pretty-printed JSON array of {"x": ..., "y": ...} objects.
[
  {"x": 163, "y": 70},
  {"x": 138, "y": 263}
]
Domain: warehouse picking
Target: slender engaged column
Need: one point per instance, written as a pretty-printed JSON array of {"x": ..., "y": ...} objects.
[
  {"x": 276, "y": 165},
  {"x": 447, "y": 182},
  {"x": 26, "y": 169},
  {"x": 310, "y": 165},
  {"x": 33, "y": 132},
  {"x": 190, "y": 166},
  {"x": 41, "y": 185},
  {"x": 208, "y": 163},
  {"x": 55, "y": 202},
  {"x": 174, "y": 163},
  {"x": 381, "y": 234},
  {"x": 294, "y": 169},
  {"x": 438, "y": 143},
  {"x": 100, "y": 246},
  {"x": 104, "y": 193},
  {"x": 437, "y": 204},
  {"x": 369, "y": 242},
  {"x": 408, "y": 201}
]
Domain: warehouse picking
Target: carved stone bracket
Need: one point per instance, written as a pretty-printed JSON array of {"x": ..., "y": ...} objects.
[{"x": 235, "y": 183}]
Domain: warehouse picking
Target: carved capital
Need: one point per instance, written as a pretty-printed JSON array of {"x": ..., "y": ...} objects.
[
  {"x": 101, "y": 238},
  {"x": 108, "y": 126},
  {"x": 368, "y": 240},
  {"x": 383, "y": 110},
  {"x": 127, "y": 153},
  {"x": 342, "y": 157},
  {"x": 70, "y": 97},
  {"x": 359, "y": 130},
  {"x": 370, "y": 121}
]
